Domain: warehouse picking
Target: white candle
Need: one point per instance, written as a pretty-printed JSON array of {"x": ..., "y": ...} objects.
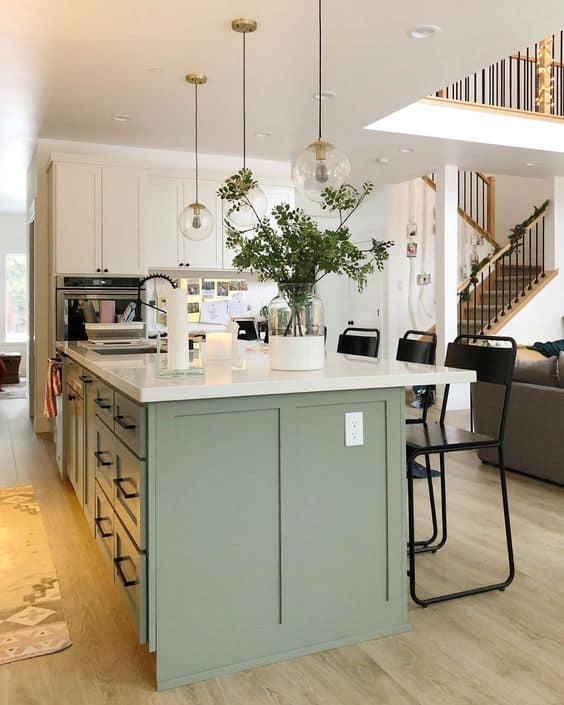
[
  {"x": 218, "y": 346},
  {"x": 177, "y": 329}
]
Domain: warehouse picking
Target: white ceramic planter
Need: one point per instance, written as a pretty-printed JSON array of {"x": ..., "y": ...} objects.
[{"x": 297, "y": 352}]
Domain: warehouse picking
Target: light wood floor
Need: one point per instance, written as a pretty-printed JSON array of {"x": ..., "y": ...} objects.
[{"x": 495, "y": 648}]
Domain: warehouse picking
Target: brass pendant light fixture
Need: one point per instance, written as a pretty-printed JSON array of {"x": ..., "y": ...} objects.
[
  {"x": 320, "y": 165},
  {"x": 196, "y": 221},
  {"x": 247, "y": 215}
]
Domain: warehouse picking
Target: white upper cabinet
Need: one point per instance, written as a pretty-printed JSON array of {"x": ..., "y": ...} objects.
[
  {"x": 97, "y": 219},
  {"x": 167, "y": 248},
  {"x": 76, "y": 217},
  {"x": 164, "y": 203},
  {"x": 123, "y": 238},
  {"x": 275, "y": 195},
  {"x": 204, "y": 254}
]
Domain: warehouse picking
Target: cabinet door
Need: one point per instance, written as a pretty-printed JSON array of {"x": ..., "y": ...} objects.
[
  {"x": 70, "y": 435},
  {"x": 79, "y": 443},
  {"x": 76, "y": 217},
  {"x": 123, "y": 246},
  {"x": 89, "y": 457},
  {"x": 164, "y": 203},
  {"x": 205, "y": 254},
  {"x": 275, "y": 195}
]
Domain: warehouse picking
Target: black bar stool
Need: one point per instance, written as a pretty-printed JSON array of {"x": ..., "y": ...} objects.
[
  {"x": 493, "y": 365},
  {"x": 411, "y": 348},
  {"x": 366, "y": 345}
]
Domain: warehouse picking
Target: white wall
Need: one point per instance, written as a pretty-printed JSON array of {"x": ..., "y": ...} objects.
[
  {"x": 515, "y": 197},
  {"x": 401, "y": 273},
  {"x": 12, "y": 242},
  {"x": 337, "y": 292}
]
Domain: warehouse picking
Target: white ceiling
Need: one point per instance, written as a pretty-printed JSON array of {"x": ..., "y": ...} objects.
[{"x": 66, "y": 67}]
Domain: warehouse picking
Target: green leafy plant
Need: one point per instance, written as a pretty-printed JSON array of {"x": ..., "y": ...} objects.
[{"x": 295, "y": 250}]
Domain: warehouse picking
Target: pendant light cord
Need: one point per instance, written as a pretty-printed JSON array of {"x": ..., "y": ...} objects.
[
  {"x": 196, "y": 138},
  {"x": 319, "y": 96},
  {"x": 244, "y": 101}
]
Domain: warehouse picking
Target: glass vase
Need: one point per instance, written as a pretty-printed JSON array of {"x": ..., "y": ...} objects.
[{"x": 296, "y": 329}]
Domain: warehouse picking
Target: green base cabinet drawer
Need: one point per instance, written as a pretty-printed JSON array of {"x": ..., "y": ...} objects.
[
  {"x": 131, "y": 578},
  {"x": 104, "y": 402},
  {"x": 104, "y": 526},
  {"x": 130, "y": 492},
  {"x": 104, "y": 455},
  {"x": 130, "y": 424}
]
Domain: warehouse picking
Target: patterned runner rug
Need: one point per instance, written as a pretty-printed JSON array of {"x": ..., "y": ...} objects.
[{"x": 32, "y": 622}]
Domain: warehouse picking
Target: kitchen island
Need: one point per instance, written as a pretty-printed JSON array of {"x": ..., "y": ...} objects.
[{"x": 238, "y": 525}]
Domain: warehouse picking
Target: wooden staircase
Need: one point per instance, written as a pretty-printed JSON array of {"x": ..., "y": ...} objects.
[
  {"x": 513, "y": 275},
  {"x": 505, "y": 284}
]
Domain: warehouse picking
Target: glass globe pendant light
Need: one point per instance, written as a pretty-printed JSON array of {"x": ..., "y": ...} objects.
[
  {"x": 247, "y": 215},
  {"x": 320, "y": 165},
  {"x": 195, "y": 220}
]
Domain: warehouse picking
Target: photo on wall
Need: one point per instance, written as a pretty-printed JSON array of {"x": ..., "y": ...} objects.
[
  {"x": 223, "y": 288},
  {"x": 238, "y": 285},
  {"x": 208, "y": 288},
  {"x": 193, "y": 307},
  {"x": 193, "y": 287}
]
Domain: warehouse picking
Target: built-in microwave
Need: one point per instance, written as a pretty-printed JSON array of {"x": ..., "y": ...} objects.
[{"x": 81, "y": 300}]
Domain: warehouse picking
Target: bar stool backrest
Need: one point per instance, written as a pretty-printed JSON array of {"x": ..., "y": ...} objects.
[
  {"x": 365, "y": 345},
  {"x": 412, "y": 349},
  {"x": 493, "y": 365}
]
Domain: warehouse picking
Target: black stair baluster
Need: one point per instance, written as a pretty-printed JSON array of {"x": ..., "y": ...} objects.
[
  {"x": 502, "y": 267},
  {"x": 543, "y": 261},
  {"x": 536, "y": 253},
  {"x": 530, "y": 236},
  {"x": 496, "y": 307},
  {"x": 523, "y": 266},
  {"x": 482, "y": 300}
]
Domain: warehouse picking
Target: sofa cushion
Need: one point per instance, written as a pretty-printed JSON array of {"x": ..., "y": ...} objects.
[
  {"x": 561, "y": 368},
  {"x": 543, "y": 372}
]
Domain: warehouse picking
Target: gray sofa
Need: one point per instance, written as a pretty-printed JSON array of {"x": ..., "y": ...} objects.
[{"x": 534, "y": 436}]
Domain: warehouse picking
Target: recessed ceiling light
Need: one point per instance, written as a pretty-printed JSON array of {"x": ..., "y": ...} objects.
[
  {"x": 154, "y": 69},
  {"x": 425, "y": 31},
  {"x": 263, "y": 134},
  {"x": 531, "y": 163},
  {"x": 406, "y": 150},
  {"x": 325, "y": 95},
  {"x": 121, "y": 118},
  {"x": 383, "y": 160}
]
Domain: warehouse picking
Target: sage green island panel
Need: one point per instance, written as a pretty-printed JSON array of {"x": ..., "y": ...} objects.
[{"x": 269, "y": 538}]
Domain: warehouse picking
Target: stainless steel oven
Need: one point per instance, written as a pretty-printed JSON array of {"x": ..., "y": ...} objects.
[{"x": 83, "y": 300}]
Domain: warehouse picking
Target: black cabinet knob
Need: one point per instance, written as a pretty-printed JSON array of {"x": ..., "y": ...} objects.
[
  {"x": 106, "y": 270},
  {"x": 98, "y": 269},
  {"x": 187, "y": 264}
]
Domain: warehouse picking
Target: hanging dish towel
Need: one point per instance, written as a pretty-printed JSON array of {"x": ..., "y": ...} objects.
[{"x": 53, "y": 388}]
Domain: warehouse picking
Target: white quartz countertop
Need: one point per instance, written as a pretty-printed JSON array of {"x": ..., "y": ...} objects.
[{"x": 249, "y": 374}]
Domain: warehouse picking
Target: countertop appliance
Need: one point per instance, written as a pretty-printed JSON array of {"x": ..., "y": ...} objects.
[{"x": 82, "y": 300}]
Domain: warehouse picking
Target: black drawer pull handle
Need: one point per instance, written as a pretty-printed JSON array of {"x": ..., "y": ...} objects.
[
  {"x": 99, "y": 460},
  {"x": 85, "y": 379},
  {"x": 120, "y": 419},
  {"x": 98, "y": 521},
  {"x": 102, "y": 404},
  {"x": 118, "y": 561},
  {"x": 124, "y": 494}
]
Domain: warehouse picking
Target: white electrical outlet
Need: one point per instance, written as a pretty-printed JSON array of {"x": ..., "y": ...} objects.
[{"x": 354, "y": 428}]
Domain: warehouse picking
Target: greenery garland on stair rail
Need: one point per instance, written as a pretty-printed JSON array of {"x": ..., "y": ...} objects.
[{"x": 516, "y": 235}]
